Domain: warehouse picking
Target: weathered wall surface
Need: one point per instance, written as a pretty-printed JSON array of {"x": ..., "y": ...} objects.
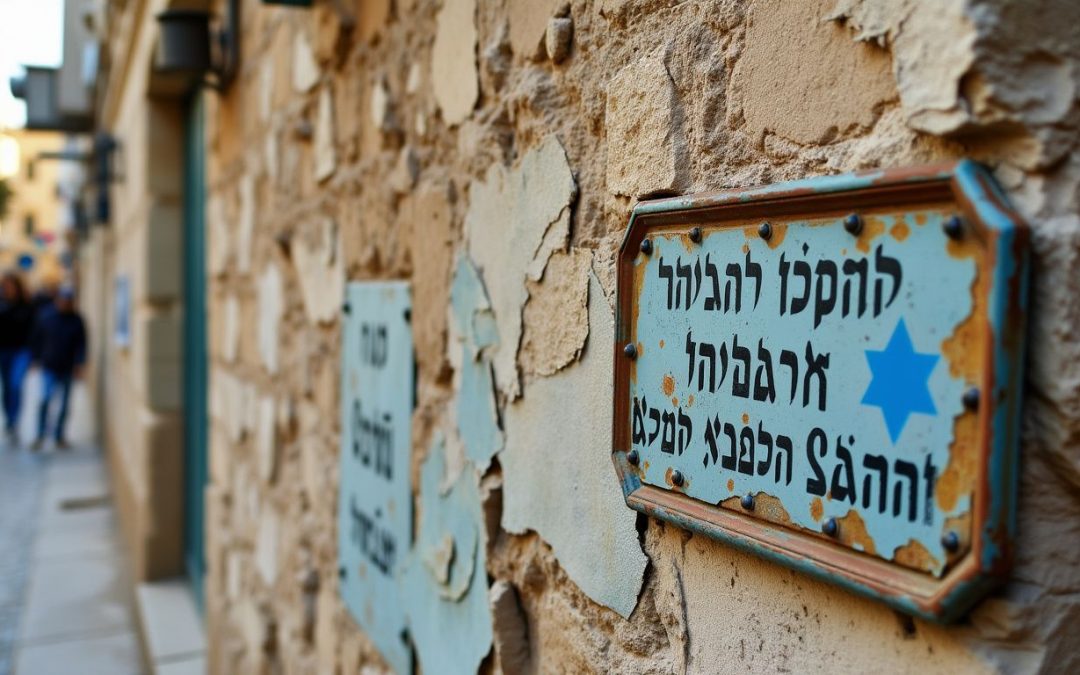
[{"x": 489, "y": 152}]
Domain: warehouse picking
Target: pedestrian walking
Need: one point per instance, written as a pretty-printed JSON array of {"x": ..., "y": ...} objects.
[
  {"x": 58, "y": 343},
  {"x": 16, "y": 323}
]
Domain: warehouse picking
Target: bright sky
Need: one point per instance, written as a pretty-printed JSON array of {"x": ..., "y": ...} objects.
[{"x": 31, "y": 32}]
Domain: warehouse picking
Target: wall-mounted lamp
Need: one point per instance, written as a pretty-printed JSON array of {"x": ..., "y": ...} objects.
[{"x": 190, "y": 46}]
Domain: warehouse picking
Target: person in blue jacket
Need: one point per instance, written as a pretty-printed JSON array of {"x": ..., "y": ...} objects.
[
  {"x": 58, "y": 344},
  {"x": 16, "y": 322}
]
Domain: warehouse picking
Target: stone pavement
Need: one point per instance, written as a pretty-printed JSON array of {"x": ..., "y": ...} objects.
[{"x": 65, "y": 598}]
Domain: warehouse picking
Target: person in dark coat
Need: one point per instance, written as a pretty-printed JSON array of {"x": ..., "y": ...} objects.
[
  {"x": 16, "y": 322},
  {"x": 59, "y": 347}
]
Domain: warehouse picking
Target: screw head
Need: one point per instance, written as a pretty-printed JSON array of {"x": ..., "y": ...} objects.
[
  {"x": 747, "y": 502},
  {"x": 954, "y": 227},
  {"x": 677, "y": 478},
  {"x": 764, "y": 231},
  {"x": 830, "y": 527},
  {"x": 951, "y": 541},
  {"x": 853, "y": 223},
  {"x": 971, "y": 398},
  {"x": 695, "y": 235},
  {"x": 646, "y": 246},
  {"x": 630, "y": 350},
  {"x": 633, "y": 457},
  {"x": 346, "y": 308}
]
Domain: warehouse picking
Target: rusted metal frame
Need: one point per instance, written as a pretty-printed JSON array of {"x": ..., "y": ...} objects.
[{"x": 993, "y": 510}]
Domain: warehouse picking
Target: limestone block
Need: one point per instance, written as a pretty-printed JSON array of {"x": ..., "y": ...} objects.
[
  {"x": 801, "y": 78},
  {"x": 581, "y": 513},
  {"x": 305, "y": 70},
  {"x": 372, "y": 15},
  {"x": 515, "y": 220},
  {"x": 428, "y": 216},
  {"x": 548, "y": 346},
  {"x": 453, "y": 60},
  {"x": 528, "y": 24},
  {"x": 162, "y": 266},
  {"x": 557, "y": 40},
  {"x": 382, "y": 111},
  {"x": 266, "y": 89},
  {"x": 271, "y": 308},
  {"x": 219, "y": 248},
  {"x": 266, "y": 446},
  {"x": 645, "y": 148},
  {"x": 230, "y": 329},
  {"x": 266, "y": 545},
  {"x": 320, "y": 267},
  {"x": 246, "y": 222},
  {"x": 511, "y": 635},
  {"x": 325, "y": 135},
  {"x": 406, "y": 170}
]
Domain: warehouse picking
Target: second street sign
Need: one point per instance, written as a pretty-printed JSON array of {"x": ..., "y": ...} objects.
[{"x": 827, "y": 373}]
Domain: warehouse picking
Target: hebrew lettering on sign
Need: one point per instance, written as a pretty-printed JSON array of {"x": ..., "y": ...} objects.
[
  {"x": 375, "y": 500},
  {"x": 827, "y": 373}
]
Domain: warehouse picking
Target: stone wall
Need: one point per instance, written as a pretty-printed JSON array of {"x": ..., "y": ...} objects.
[{"x": 506, "y": 141}]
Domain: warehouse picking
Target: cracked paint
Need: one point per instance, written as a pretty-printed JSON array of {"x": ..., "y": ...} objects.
[
  {"x": 447, "y": 603},
  {"x": 557, "y": 471},
  {"x": 474, "y": 333}
]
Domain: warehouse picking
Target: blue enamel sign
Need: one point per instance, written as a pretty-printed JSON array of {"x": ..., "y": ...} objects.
[
  {"x": 375, "y": 499},
  {"x": 827, "y": 373}
]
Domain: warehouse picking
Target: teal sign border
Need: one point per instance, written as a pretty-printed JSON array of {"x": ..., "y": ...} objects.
[{"x": 982, "y": 204}]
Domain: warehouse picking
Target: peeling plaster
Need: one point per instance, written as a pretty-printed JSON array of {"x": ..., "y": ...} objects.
[
  {"x": 558, "y": 475},
  {"x": 549, "y": 345},
  {"x": 516, "y": 219},
  {"x": 473, "y": 333},
  {"x": 448, "y": 611}
]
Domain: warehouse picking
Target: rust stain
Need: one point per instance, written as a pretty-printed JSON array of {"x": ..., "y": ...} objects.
[
  {"x": 914, "y": 555},
  {"x": 690, "y": 401},
  {"x": 900, "y": 231},
  {"x": 873, "y": 227},
  {"x": 675, "y": 401},
  {"x": 779, "y": 231},
  {"x": 661, "y": 344},
  {"x": 746, "y": 248},
  {"x": 668, "y": 385},
  {"x": 817, "y": 509},
  {"x": 766, "y": 507},
  {"x": 730, "y": 485},
  {"x": 640, "y": 349},
  {"x": 745, "y": 418},
  {"x": 920, "y": 218},
  {"x": 853, "y": 532},
  {"x": 966, "y": 352}
]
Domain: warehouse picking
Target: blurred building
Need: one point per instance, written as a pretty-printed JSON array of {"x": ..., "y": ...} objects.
[
  {"x": 34, "y": 233},
  {"x": 250, "y": 158}
]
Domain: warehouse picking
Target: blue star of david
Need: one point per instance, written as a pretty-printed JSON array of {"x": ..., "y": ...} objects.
[{"x": 900, "y": 383}]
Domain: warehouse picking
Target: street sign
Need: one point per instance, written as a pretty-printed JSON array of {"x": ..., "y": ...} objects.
[
  {"x": 375, "y": 499},
  {"x": 827, "y": 373}
]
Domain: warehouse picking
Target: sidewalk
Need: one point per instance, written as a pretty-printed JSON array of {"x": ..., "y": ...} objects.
[{"x": 65, "y": 598}]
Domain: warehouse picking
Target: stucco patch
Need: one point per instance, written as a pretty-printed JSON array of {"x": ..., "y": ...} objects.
[
  {"x": 271, "y": 308},
  {"x": 801, "y": 77},
  {"x": 453, "y": 60},
  {"x": 528, "y": 23},
  {"x": 320, "y": 267},
  {"x": 645, "y": 144},
  {"x": 516, "y": 219},
  {"x": 558, "y": 476}
]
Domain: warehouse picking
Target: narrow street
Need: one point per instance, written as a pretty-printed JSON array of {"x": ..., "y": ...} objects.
[{"x": 64, "y": 594}]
